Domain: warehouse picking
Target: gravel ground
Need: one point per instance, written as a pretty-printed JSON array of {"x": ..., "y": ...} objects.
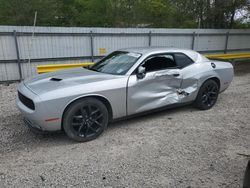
[{"x": 182, "y": 147}]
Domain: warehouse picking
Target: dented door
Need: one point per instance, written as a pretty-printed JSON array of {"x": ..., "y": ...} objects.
[{"x": 156, "y": 89}]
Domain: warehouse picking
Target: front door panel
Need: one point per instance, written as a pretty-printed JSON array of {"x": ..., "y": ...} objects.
[{"x": 156, "y": 89}]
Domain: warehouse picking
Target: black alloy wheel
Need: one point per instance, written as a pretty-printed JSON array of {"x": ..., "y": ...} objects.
[
  {"x": 85, "y": 120},
  {"x": 208, "y": 95}
]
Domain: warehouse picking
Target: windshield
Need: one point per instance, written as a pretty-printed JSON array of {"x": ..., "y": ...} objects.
[{"x": 117, "y": 63}]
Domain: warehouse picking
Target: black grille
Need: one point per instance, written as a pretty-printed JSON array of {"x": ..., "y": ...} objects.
[{"x": 26, "y": 101}]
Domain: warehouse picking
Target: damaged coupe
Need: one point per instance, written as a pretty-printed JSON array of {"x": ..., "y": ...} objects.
[{"x": 127, "y": 82}]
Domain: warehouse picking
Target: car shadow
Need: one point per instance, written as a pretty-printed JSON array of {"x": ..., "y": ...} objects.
[
  {"x": 151, "y": 115},
  {"x": 23, "y": 137},
  {"x": 61, "y": 137}
]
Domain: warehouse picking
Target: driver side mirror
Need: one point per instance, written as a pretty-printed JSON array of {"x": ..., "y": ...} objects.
[{"x": 141, "y": 72}]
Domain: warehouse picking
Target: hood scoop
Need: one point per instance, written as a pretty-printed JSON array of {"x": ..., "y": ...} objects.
[{"x": 55, "y": 79}]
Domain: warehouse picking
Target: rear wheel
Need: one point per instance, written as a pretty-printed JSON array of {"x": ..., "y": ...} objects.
[
  {"x": 85, "y": 119},
  {"x": 207, "y": 95}
]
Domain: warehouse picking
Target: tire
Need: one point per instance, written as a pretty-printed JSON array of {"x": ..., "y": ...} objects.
[
  {"x": 85, "y": 119},
  {"x": 246, "y": 183},
  {"x": 207, "y": 95}
]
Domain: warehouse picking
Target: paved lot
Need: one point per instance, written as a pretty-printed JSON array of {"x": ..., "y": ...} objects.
[{"x": 182, "y": 147}]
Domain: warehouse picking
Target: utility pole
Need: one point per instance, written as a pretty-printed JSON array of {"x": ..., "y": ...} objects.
[{"x": 31, "y": 42}]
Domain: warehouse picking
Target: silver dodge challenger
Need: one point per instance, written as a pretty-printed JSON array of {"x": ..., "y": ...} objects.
[{"x": 125, "y": 83}]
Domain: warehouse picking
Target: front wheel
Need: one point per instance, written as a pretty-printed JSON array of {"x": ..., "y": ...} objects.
[
  {"x": 85, "y": 119},
  {"x": 207, "y": 95}
]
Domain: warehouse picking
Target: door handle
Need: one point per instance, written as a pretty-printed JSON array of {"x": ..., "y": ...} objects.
[
  {"x": 168, "y": 74},
  {"x": 176, "y": 74},
  {"x": 160, "y": 75}
]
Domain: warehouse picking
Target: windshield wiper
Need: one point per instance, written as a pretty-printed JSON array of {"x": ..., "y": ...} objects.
[{"x": 93, "y": 69}]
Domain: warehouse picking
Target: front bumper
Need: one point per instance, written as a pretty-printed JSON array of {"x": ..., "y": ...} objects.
[
  {"x": 36, "y": 118},
  {"x": 32, "y": 126}
]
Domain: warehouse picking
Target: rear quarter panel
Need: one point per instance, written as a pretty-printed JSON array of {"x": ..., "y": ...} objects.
[
  {"x": 225, "y": 72},
  {"x": 195, "y": 75}
]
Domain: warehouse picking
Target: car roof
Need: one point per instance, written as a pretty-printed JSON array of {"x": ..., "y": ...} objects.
[
  {"x": 153, "y": 50},
  {"x": 148, "y": 50}
]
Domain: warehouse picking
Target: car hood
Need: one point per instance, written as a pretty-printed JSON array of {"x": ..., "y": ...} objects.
[{"x": 63, "y": 79}]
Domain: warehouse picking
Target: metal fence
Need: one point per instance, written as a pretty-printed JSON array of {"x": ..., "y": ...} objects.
[{"x": 52, "y": 45}]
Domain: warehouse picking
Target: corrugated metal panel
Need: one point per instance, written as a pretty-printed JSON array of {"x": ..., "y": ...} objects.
[
  {"x": 57, "y": 46},
  {"x": 172, "y": 41},
  {"x": 205, "y": 43},
  {"x": 116, "y": 30},
  {"x": 53, "y": 46},
  {"x": 7, "y": 46},
  {"x": 9, "y": 71},
  {"x": 3, "y": 72},
  {"x": 240, "y": 42},
  {"x": 116, "y": 42}
]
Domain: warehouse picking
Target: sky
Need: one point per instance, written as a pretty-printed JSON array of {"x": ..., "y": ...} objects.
[{"x": 243, "y": 14}]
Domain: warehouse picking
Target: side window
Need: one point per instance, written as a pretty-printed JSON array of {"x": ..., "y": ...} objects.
[
  {"x": 160, "y": 62},
  {"x": 182, "y": 60}
]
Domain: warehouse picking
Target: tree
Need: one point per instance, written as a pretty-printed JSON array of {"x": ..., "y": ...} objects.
[
  {"x": 125, "y": 13},
  {"x": 21, "y": 12}
]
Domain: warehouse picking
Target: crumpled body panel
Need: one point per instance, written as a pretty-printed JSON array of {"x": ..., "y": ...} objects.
[
  {"x": 161, "y": 88},
  {"x": 154, "y": 92},
  {"x": 157, "y": 89}
]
